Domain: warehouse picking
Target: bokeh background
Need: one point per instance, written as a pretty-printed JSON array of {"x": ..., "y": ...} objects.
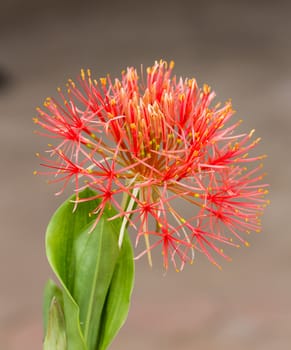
[{"x": 242, "y": 49}]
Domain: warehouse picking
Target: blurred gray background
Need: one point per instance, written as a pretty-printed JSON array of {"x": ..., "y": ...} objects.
[{"x": 242, "y": 49}]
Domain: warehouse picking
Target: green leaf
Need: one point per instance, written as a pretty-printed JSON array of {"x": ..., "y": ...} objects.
[
  {"x": 51, "y": 290},
  {"x": 96, "y": 276},
  {"x": 55, "y": 338},
  {"x": 74, "y": 336},
  {"x": 118, "y": 300}
]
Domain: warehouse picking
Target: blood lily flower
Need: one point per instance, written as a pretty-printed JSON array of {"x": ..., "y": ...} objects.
[{"x": 156, "y": 148}]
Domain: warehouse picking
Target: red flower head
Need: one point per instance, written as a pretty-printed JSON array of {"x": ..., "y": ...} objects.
[{"x": 159, "y": 141}]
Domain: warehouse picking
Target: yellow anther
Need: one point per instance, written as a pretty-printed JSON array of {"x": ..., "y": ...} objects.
[
  {"x": 59, "y": 89},
  {"x": 37, "y": 154},
  {"x": 236, "y": 146},
  {"x": 251, "y": 133},
  {"x": 82, "y": 74},
  {"x": 132, "y": 126},
  {"x": 182, "y": 220},
  {"x": 172, "y": 64},
  {"x": 190, "y": 82},
  {"x": 206, "y": 89},
  {"x": 103, "y": 81},
  {"x": 35, "y": 120},
  {"x": 71, "y": 82},
  {"x": 35, "y": 172},
  {"x": 257, "y": 140},
  {"x": 89, "y": 145},
  {"x": 218, "y": 266},
  {"x": 197, "y": 195},
  {"x": 247, "y": 244},
  {"x": 181, "y": 97},
  {"x": 89, "y": 73}
]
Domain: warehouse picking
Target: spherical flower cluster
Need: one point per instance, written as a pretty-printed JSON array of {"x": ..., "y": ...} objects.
[{"x": 151, "y": 144}]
